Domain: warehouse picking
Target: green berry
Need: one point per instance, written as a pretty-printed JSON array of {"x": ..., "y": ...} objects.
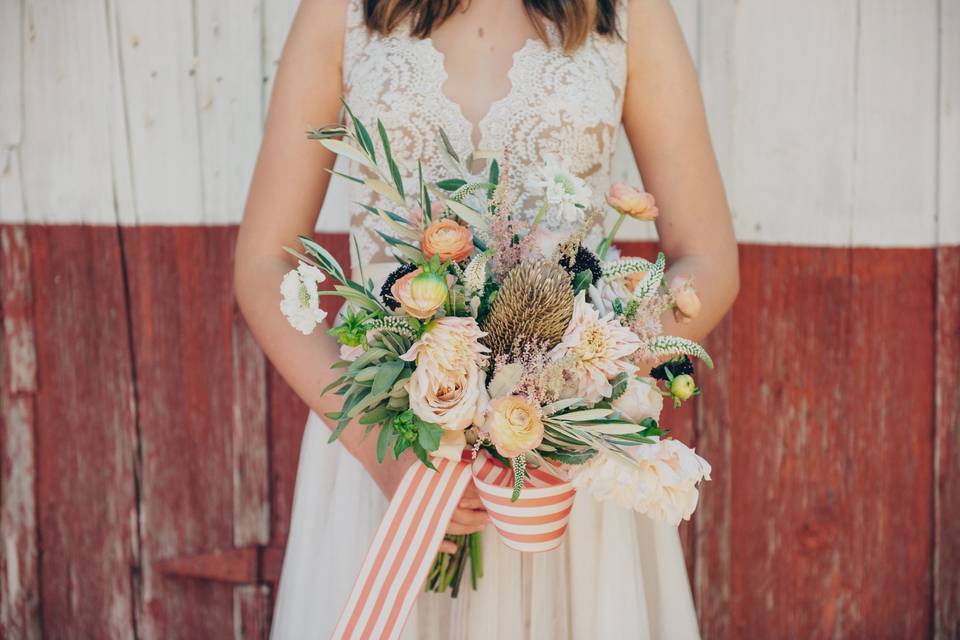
[{"x": 683, "y": 387}]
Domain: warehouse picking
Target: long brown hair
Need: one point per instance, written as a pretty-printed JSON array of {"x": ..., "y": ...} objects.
[{"x": 574, "y": 19}]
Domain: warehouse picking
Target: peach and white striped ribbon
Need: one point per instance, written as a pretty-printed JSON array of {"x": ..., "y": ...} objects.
[{"x": 410, "y": 533}]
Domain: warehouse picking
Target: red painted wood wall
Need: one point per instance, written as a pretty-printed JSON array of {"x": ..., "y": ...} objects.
[{"x": 148, "y": 452}]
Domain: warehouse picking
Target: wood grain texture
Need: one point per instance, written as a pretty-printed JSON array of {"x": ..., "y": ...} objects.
[
  {"x": 897, "y": 46},
  {"x": 85, "y": 433},
  {"x": 816, "y": 386},
  {"x": 159, "y": 64},
  {"x": 182, "y": 317},
  {"x": 228, "y": 85},
  {"x": 19, "y": 575},
  {"x": 251, "y": 612},
  {"x": 11, "y": 72},
  {"x": 780, "y": 85},
  {"x": 946, "y": 567},
  {"x": 66, "y": 155}
]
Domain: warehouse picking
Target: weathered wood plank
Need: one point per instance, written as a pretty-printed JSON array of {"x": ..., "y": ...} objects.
[
  {"x": 827, "y": 373},
  {"x": 946, "y": 560},
  {"x": 715, "y": 433},
  {"x": 228, "y": 86},
  {"x": 19, "y": 576},
  {"x": 897, "y": 47},
  {"x": 780, "y": 85},
  {"x": 11, "y": 65},
  {"x": 946, "y": 566},
  {"x": 251, "y": 612},
  {"x": 66, "y": 155},
  {"x": 159, "y": 64},
  {"x": 85, "y": 432},
  {"x": 182, "y": 318},
  {"x": 277, "y": 17},
  {"x": 251, "y": 471}
]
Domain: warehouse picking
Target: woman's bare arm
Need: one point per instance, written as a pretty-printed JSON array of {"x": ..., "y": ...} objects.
[
  {"x": 664, "y": 119},
  {"x": 285, "y": 197}
]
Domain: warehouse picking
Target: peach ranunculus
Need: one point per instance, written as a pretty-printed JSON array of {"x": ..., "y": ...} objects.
[
  {"x": 420, "y": 294},
  {"x": 632, "y": 202},
  {"x": 447, "y": 239},
  {"x": 514, "y": 425},
  {"x": 451, "y": 399},
  {"x": 685, "y": 299}
]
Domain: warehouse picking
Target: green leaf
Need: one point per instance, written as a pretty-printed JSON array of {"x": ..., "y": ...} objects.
[
  {"x": 569, "y": 457},
  {"x": 452, "y": 184},
  {"x": 387, "y": 374},
  {"x": 362, "y": 133},
  {"x": 582, "y": 281},
  {"x": 394, "y": 171},
  {"x": 384, "y": 440},
  {"x": 376, "y": 415},
  {"x": 336, "y": 432},
  {"x": 424, "y": 195},
  {"x": 447, "y": 146},
  {"x": 619, "y": 384},
  {"x": 494, "y": 178},
  {"x": 422, "y": 454},
  {"x": 429, "y": 435},
  {"x": 399, "y": 446}
]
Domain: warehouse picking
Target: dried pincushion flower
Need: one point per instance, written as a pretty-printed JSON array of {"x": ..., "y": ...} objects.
[{"x": 535, "y": 303}]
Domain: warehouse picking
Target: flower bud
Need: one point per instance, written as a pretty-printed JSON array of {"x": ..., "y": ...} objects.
[
  {"x": 686, "y": 301},
  {"x": 683, "y": 387},
  {"x": 420, "y": 294}
]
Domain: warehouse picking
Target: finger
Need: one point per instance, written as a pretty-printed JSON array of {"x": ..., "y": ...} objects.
[
  {"x": 457, "y": 529},
  {"x": 470, "y": 517},
  {"x": 471, "y": 503},
  {"x": 448, "y": 547}
]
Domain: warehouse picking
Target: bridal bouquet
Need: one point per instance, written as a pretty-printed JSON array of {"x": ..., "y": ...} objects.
[{"x": 498, "y": 337}]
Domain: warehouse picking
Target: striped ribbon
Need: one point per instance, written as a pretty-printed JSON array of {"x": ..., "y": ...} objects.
[{"x": 410, "y": 533}]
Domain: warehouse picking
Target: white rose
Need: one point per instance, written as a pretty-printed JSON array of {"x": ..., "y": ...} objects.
[{"x": 641, "y": 400}]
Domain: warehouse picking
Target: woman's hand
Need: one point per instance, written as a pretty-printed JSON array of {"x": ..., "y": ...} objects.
[{"x": 468, "y": 517}]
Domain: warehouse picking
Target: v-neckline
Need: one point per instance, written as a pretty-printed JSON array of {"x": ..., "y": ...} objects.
[{"x": 478, "y": 128}]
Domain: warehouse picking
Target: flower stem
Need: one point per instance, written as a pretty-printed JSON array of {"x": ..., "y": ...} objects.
[
  {"x": 540, "y": 214},
  {"x": 608, "y": 241}
]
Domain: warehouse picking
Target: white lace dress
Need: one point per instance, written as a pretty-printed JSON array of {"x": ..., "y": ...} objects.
[{"x": 617, "y": 575}]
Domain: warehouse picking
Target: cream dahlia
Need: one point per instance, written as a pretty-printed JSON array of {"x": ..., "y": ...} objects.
[
  {"x": 597, "y": 347},
  {"x": 449, "y": 344}
]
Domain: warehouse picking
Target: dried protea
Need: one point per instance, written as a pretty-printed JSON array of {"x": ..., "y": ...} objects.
[{"x": 535, "y": 303}]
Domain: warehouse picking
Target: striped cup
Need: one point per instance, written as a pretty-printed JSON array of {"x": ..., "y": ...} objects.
[{"x": 538, "y": 519}]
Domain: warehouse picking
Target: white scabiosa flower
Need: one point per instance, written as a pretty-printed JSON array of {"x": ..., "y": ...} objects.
[
  {"x": 661, "y": 483},
  {"x": 299, "y": 301},
  {"x": 566, "y": 194}
]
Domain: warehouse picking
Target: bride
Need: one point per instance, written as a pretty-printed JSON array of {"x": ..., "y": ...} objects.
[{"x": 532, "y": 80}]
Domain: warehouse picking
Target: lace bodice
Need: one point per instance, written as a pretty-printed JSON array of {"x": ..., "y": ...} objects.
[{"x": 561, "y": 105}]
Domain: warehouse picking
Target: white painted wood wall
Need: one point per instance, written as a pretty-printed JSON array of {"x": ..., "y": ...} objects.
[{"x": 836, "y": 122}]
